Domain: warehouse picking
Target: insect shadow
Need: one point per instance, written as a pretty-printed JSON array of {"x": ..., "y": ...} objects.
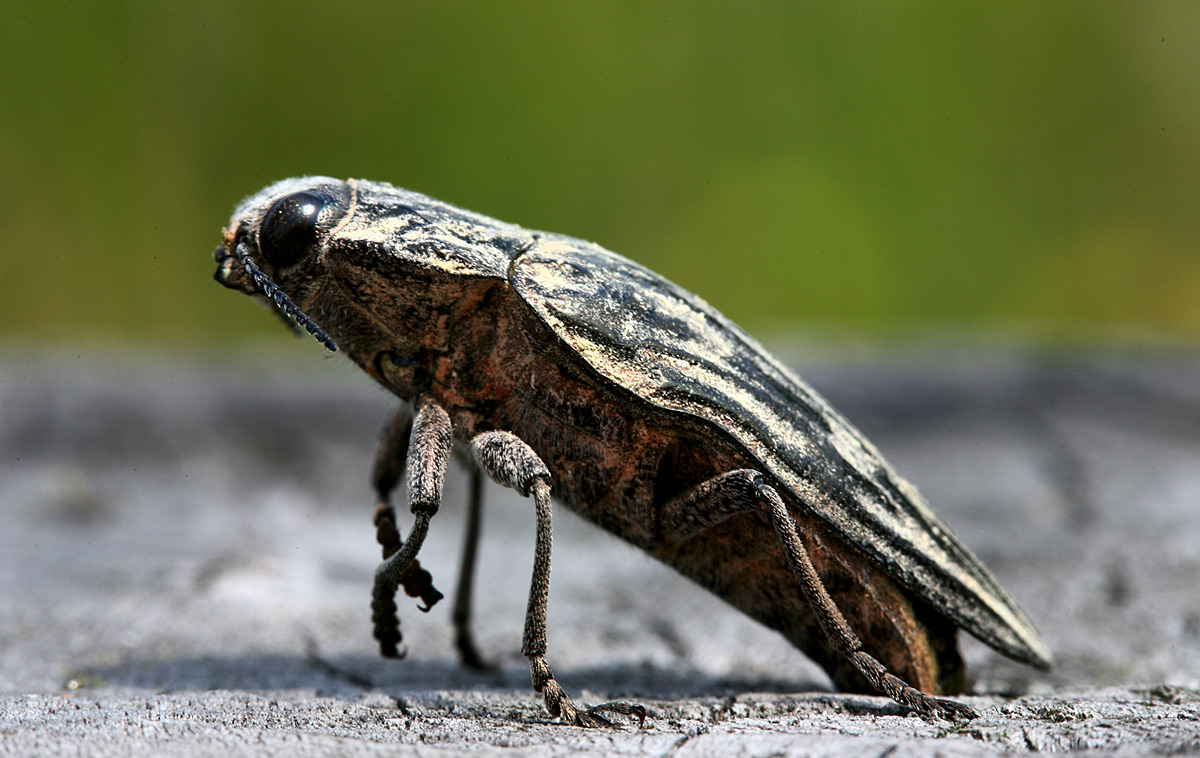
[{"x": 348, "y": 675}]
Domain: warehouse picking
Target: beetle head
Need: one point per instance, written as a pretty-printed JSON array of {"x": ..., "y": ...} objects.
[
  {"x": 384, "y": 271},
  {"x": 276, "y": 241}
]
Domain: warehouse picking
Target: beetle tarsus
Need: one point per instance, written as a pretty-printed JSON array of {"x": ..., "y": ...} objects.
[
  {"x": 558, "y": 704},
  {"x": 622, "y": 707},
  {"x": 907, "y": 695},
  {"x": 951, "y": 710},
  {"x": 384, "y": 615},
  {"x": 386, "y": 622},
  {"x": 387, "y": 534}
]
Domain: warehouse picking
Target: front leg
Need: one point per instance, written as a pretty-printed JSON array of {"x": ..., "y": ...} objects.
[
  {"x": 425, "y": 442},
  {"x": 717, "y": 499},
  {"x": 512, "y": 463}
]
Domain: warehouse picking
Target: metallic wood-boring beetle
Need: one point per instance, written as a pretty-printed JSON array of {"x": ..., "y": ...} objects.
[{"x": 563, "y": 367}]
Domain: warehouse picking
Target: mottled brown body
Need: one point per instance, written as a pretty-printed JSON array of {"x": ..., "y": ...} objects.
[
  {"x": 616, "y": 463},
  {"x": 568, "y": 369}
]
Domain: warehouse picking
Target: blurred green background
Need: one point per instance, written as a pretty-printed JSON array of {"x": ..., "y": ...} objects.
[{"x": 876, "y": 167}]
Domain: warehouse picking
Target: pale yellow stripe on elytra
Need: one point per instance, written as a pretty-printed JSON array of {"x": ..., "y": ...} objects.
[
  {"x": 705, "y": 328},
  {"x": 856, "y": 450}
]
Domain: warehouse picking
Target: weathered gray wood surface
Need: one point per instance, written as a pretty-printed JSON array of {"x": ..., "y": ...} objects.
[{"x": 186, "y": 551}]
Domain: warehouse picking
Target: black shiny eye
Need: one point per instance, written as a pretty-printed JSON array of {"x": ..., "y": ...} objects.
[{"x": 290, "y": 228}]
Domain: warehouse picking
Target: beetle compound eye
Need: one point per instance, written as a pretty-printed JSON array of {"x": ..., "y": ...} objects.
[{"x": 290, "y": 228}]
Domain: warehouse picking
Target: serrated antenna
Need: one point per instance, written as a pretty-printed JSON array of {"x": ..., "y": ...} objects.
[{"x": 281, "y": 300}]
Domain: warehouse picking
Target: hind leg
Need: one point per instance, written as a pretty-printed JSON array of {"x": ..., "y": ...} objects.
[{"x": 715, "y": 500}]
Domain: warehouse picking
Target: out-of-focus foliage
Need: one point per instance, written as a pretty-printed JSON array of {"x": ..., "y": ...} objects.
[{"x": 875, "y": 166}]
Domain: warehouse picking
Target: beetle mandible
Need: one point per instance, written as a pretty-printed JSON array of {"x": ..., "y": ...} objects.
[{"x": 565, "y": 368}]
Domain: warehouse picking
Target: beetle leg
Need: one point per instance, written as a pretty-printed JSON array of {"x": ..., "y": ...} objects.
[
  {"x": 463, "y": 639},
  {"x": 428, "y": 453},
  {"x": 389, "y": 465},
  {"x": 709, "y": 503},
  {"x": 715, "y": 500},
  {"x": 512, "y": 463},
  {"x": 844, "y": 640}
]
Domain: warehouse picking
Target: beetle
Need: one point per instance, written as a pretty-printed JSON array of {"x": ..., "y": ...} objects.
[{"x": 563, "y": 367}]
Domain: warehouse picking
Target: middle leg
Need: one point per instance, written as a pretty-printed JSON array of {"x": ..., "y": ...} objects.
[
  {"x": 512, "y": 463},
  {"x": 464, "y": 640}
]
